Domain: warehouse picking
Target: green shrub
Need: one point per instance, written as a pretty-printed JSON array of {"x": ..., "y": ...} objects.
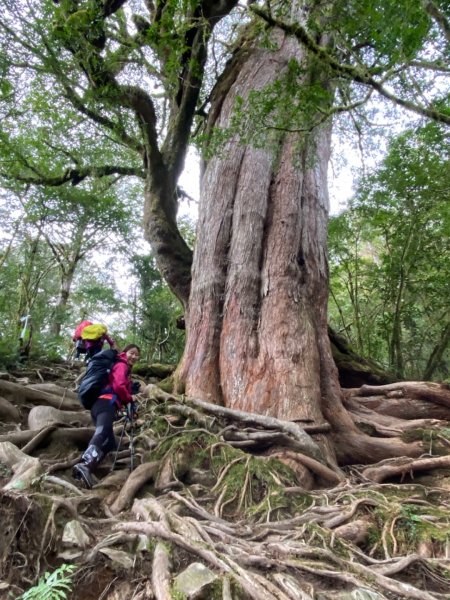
[{"x": 52, "y": 586}]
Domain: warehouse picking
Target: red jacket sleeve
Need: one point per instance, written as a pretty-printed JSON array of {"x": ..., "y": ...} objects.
[{"x": 121, "y": 383}]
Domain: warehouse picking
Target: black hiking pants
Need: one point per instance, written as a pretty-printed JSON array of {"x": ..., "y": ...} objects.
[{"x": 103, "y": 414}]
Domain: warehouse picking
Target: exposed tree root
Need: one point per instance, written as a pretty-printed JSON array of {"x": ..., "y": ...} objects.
[
  {"x": 135, "y": 481},
  {"x": 55, "y": 389},
  {"x": 78, "y": 436},
  {"x": 248, "y": 558},
  {"x": 36, "y": 441},
  {"x": 329, "y": 477},
  {"x": 8, "y": 412},
  {"x": 405, "y": 466},
  {"x": 354, "y": 448},
  {"x": 423, "y": 390},
  {"x": 21, "y": 394},
  {"x": 41, "y": 416},
  {"x": 388, "y": 426},
  {"x": 222, "y": 487},
  {"x": 161, "y": 573},
  {"x": 297, "y": 434}
]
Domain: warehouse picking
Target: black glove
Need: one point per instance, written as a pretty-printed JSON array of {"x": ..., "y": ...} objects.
[{"x": 135, "y": 387}]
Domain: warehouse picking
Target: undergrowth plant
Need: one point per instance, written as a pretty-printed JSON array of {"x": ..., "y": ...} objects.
[{"x": 52, "y": 586}]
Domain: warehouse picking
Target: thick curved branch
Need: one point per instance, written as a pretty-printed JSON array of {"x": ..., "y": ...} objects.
[
  {"x": 75, "y": 176},
  {"x": 137, "y": 99},
  {"x": 102, "y": 80},
  {"x": 77, "y": 102},
  {"x": 356, "y": 74},
  {"x": 207, "y": 15}
]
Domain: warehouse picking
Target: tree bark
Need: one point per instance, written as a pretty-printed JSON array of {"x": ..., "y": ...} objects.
[
  {"x": 437, "y": 353},
  {"x": 354, "y": 370},
  {"x": 257, "y": 335},
  {"x": 64, "y": 294}
]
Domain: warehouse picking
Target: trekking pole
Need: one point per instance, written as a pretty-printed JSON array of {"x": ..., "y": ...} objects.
[
  {"x": 120, "y": 442},
  {"x": 130, "y": 416}
]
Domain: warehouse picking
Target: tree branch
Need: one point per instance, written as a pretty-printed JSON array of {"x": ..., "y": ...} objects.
[
  {"x": 207, "y": 16},
  {"x": 75, "y": 176},
  {"x": 78, "y": 103},
  {"x": 137, "y": 99},
  {"x": 358, "y": 74},
  {"x": 434, "y": 11}
]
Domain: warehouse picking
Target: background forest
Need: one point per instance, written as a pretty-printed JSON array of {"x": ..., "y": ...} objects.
[
  {"x": 65, "y": 258},
  {"x": 277, "y": 453},
  {"x": 70, "y": 256},
  {"x": 72, "y": 239}
]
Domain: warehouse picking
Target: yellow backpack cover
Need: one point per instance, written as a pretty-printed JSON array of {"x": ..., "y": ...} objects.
[{"x": 93, "y": 332}]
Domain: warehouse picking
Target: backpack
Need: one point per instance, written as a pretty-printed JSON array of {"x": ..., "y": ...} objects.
[
  {"x": 77, "y": 333},
  {"x": 93, "y": 332},
  {"x": 96, "y": 377}
]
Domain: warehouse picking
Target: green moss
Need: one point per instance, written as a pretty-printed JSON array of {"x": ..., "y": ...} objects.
[
  {"x": 431, "y": 439},
  {"x": 399, "y": 526},
  {"x": 175, "y": 594},
  {"x": 254, "y": 486},
  {"x": 5, "y": 471},
  {"x": 166, "y": 384},
  {"x": 415, "y": 524},
  {"x": 158, "y": 370},
  {"x": 193, "y": 441},
  {"x": 215, "y": 590}
]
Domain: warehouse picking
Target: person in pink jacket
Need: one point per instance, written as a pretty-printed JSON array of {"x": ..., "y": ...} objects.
[{"x": 116, "y": 395}]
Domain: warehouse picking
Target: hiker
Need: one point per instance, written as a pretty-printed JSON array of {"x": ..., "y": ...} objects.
[
  {"x": 115, "y": 396},
  {"x": 94, "y": 345},
  {"x": 80, "y": 347}
]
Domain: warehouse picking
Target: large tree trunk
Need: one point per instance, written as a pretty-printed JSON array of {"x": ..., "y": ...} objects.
[{"x": 257, "y": 321}]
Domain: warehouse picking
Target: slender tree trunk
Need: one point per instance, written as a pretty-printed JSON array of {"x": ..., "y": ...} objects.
[
  {"x": 67, "y": 257},
  {"x": 257, "y": 321},
  {"x": 27, "y": 291},
  {"x": 437, "y": 353},
  {"x": 64, "y": 294},
  {"x": 5, "y": 254},
  {"x": 357, "y": 309},
  {"x": 396, "y": 341},
  {"x": 396, "y": 352}
]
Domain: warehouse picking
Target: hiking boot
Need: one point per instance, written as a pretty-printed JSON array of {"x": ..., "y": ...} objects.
[
  {"x": 89, "y": 461},
  {"x": 81, "y": 472}
]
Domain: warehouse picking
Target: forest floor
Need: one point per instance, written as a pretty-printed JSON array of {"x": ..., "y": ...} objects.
[{"x": 205, "y": 502}]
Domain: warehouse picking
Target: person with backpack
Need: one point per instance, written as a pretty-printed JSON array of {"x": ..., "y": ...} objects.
[
  {"x": 94, "y": 337},
  {"x": 80, "y": 347},
  {"x": 115, "y": 394}
]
